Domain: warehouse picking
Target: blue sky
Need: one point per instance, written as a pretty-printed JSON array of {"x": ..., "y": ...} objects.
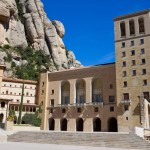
[{"x": 89, "y": 25}]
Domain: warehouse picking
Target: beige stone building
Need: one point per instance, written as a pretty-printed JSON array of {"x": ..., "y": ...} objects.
[
  {"x": 79, "y": 99},
  {"x": 110, "y": 97},
  {"x": 132, "y": 42},
  {"x": 10, "y": 96}
]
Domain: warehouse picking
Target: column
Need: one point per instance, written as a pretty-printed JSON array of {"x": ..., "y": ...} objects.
[
  {"x": 88, "y": 90},
  {"x": 72, "y": 91}
]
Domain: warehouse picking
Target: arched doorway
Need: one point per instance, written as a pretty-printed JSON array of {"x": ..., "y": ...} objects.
[
  {"x": 112, "y": 125},
  {"x": 79, "y": 124},
  {"x": 96, "y": 125},
  {"x": 63, "y": 124},
  {"x": 51, "y": 124},
  {"x": 1, "y": 117}
]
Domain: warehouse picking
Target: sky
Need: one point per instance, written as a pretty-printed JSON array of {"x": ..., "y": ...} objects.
[{"x": 89, "y": 25}]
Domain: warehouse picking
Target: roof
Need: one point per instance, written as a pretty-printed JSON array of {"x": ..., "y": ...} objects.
[
  {"x": 19, "y": 80},
  {"x": 132, "y": 14}
]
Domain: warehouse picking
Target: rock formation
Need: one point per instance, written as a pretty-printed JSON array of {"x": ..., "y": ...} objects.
[{"x": 24, "y": 23}]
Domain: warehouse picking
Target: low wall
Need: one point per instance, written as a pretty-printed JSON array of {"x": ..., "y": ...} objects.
[
  {"x": 139, "y": 132},
  {"x": 25, "y": 128}
]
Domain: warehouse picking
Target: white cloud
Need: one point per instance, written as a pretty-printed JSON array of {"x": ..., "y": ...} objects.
[{"x": 108, "y": 57}]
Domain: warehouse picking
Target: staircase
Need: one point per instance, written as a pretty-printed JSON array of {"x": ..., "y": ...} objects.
[{"x": 113, "y": 140}]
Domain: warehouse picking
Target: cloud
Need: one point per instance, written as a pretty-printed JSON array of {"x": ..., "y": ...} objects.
[{"x": 107, "y": 58}]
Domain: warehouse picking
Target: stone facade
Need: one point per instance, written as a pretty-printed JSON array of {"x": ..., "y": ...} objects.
[
  {"x": 132, "y": 38},
  {"x": 10, "y": 96},
  {"x": 79, "y": 99}
]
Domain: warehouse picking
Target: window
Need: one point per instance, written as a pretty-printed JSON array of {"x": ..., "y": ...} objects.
[
  {"x": 43, "y": 83},
  {"x": 144, "y": 82},
  {"x": 126, "y": 96},
  {"x": 2, "y": 104},
  {"x": 15, "y": 85},
  {"x": 143, "y": 71},
  {"x": 4, "y": 84},
  {"x": 96, "y": 109},
  {"x": 10, "y": 85},
  {"x": 132, "y": 27},
  {"x": 30, "y": 87},
  {"x": 111, "y": 86},
  {"x": 123, "y": 29},
  {"x": 52, "y": 91},
  {"x": 79, "y": 110},
  {"x": 51, "y": 111},
  {"x": 123, "y": 54},
  {"x": 133, "y": 62},
  {"x": 42, "y": 91},
  {"x": 143, "y": 61},
  {"x": 133, "y": 72},
  {"x": 63, "y": 110},
  {"x": 124, "y": 64},
  {"x": 28, "y": 101},
  {"x": 132, "y": 43},
  {"x": 133, "y": 52},
  {"x": 19, "y": 93},
  {"x": 124, "y": 73},
  {"x": 30, "y": 94},
  {"x": 17, "y": 100},
  {"x": 123, "y": 44},
  {"x": 142, "y": 51},
  {"x": 111, "y": 109},
  {"x": 141, "y": 41},
  {"x": 141, "y": 25},
  {"x": 52, "y": 102},
  {"x": 126, "y": 108},
  {"x": 6, "y": 92},
  {"x": 111, "y": 99},
  {"x": 27, "y": 94},
  {"x": 146, "y": 95},
  {"x": 125, "y": 84}
]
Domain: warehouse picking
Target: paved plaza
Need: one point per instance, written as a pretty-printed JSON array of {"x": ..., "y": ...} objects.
[{"x": 32, "y": 146}]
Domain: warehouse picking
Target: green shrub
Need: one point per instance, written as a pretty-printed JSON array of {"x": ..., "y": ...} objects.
[{"x": 32, "y": 119}]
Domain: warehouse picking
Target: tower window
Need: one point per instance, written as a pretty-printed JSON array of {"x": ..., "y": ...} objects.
[
  {"x": 96, "y": 109},
  {"x": 143, "y": 71},
  {"x": 141, "y": 41},
  {"x": 144, "y": 82},
  {"x": 133, "y": 52},
  {"x": 123, "y": 44},
  {"x": 132, "y": 43},
  {"x": 134, "y": 72},
  {"x": 132, "y": 27},
  {"x": 52, "y": 91},
  {"x": 133, "y": 62},
  {"x": 125, "y": 84},
  {"x": 123, "y": 29},
  {"x": 79, "y": 110},
  {"x": 123, "y": 54},
  {"x": 124, "y": 73},
  {"x": 141, "y": 25},
  {"x": 143, "y": 61},
  {"x": 63, "y": 110},
  {"x": 142, "y": 51},
  {"x": 111, "y": 86},
  {"x": 124, "y": 64}
]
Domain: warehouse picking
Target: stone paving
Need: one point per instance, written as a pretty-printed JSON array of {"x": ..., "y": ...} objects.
[{"x": 32, "y": 146}]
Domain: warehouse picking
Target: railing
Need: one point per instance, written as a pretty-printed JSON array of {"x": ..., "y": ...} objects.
[{"x": 125, "y": 102}]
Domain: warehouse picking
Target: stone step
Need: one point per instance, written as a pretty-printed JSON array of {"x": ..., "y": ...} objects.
[{"x": 114, "y": 140}]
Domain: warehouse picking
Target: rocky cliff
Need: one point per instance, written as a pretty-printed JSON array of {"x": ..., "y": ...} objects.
[{"x": 24, "y": 23}]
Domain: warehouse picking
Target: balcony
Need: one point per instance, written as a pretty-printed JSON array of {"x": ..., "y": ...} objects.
[{"x": 126, "y": 102}]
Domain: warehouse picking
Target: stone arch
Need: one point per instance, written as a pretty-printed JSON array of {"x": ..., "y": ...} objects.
[
  {"x": 112, "y": 125},
  {"x": 80, "y": 91},
  {"x": 79, "y": 124},
  {"x": 51, "y": 124},
  {"x": 141, "y": 25},
  {"x": 132, "y": 27},
  {"x": 97, "y": 90},
  {"x": 63, "y": 124},
  {"x": 123, "y": 29},
  {"x": 96, "y": 124},
  {"x": 65, "y": 92}
]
